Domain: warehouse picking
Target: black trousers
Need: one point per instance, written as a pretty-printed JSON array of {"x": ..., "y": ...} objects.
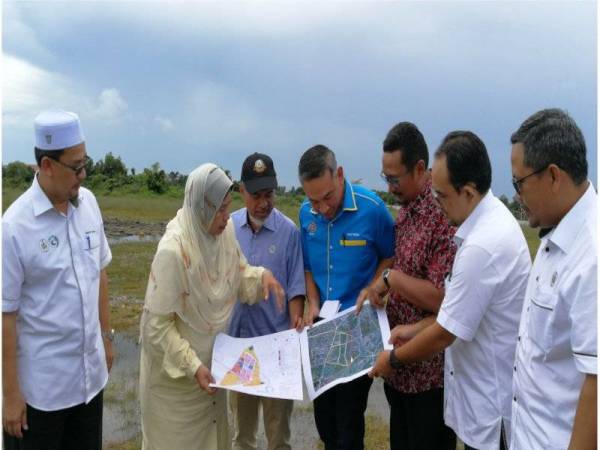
[
  {"x": 76, "y": 428},
  {"x": 417, "y": 421},
  {"x": 340, "y": 414}
]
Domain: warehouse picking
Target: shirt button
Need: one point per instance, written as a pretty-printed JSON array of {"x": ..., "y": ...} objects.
[
  {"x": 515, "y": 368},
  {"x": 331, "y": 266},
  {"x": 451, "y": 372},
  {"x": 537, "y": 278},
  {"x": 515, "y": 399},
  {"x": 519, "y": 338},
  {"x": 331, "y": 289},
  {"x": 547, "y": 249},
  {"x": 331, "y": 247}
]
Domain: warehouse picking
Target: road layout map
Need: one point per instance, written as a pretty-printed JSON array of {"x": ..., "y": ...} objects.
[{"x": 343, "y": 348}]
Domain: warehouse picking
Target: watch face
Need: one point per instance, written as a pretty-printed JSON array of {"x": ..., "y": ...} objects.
[{"x": 394, "y": 362}]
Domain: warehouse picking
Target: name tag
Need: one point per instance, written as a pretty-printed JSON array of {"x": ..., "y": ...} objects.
[{"x": 353, "y": 242}]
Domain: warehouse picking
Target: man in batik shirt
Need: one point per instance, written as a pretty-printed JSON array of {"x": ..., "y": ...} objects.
[{"x": 424, "y": 254}]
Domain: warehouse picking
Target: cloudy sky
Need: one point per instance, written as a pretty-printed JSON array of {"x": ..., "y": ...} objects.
[{"x": 186, "y": 83}]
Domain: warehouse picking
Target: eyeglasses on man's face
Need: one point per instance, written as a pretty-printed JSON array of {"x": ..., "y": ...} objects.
[
  {"x": 518, "y": 183},
  {"x": 392, "y": 180},
  {"x": 76, "y": 169}
]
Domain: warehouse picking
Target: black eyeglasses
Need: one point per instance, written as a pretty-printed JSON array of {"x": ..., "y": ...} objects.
[
  {"x": 76, "y": 169},
  {"x": 517, "y": 183}
]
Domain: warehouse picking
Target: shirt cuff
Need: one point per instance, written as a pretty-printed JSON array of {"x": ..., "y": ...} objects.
[
  {"x": 586, "y": 363},
  {"x": 295, "y": 294},
  {"x": 9, "y": 306},
  {"x": 454, "y": 327},
  {"x": 106, "y": 261},
  {"x": 192, "y": 366}
]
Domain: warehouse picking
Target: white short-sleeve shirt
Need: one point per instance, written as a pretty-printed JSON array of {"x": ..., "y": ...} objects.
[
  {"x": 51, "y": 266},
  {"x": 481, "y": 307},
  {"x": 557, "y": 335}
]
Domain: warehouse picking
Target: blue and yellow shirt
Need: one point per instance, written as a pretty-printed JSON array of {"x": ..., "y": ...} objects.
[{"x": 342, "y": 254}]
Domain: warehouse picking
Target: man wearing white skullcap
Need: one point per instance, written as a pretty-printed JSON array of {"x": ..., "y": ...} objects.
[{"x": 57, "y": 341}]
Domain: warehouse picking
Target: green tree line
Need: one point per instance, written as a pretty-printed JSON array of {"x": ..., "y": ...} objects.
[{"x": 110, "y": 175}]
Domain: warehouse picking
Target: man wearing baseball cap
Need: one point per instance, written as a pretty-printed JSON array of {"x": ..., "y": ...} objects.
[
  {"x": 270, "y": 239},
  {"x": 57, "y": 341}
]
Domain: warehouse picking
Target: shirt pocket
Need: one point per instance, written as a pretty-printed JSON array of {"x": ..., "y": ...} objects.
[
  {"x": 90, "y": 248},
  {"x": 542, "y": 315}
]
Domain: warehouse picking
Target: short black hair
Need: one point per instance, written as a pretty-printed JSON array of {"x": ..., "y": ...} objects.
[
  {"x": 551, "y": 136},
  {"x": 315, "y": 161},
  {"x": 406, "y": 137},
  {"x": 52, "y": 154},
  {"x": 467, "y": 160}
]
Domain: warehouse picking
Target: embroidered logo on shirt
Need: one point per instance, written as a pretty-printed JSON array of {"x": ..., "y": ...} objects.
[
  {"x": 272, "y": 249},
  {"x": 53, "y": 241},
  {"x": 553, "y": 280},
  {"x": 44, "y": 245},
  {"x": 312, "y": 228}
]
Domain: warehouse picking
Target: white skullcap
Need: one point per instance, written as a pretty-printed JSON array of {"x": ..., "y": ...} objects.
[{"x": 57, "y": 129}]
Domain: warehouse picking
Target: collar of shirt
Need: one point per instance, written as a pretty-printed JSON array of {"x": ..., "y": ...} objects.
[
  {"x": 41, "y": 202},
  {"x": 421, "y": 205},
  {"x": 565, "y": 232},
  {"x": 270, "y": 223},
  {"x": 348, "y": 204},
  {"x": 471, "y": 222}
]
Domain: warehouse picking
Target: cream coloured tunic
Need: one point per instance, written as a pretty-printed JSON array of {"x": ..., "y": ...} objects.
[{"x": 176, "y": 413}]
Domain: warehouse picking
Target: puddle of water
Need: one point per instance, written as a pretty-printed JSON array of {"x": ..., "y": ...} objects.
[
  {"x": 122, "y": 408},
  {"x": 121, "y": 419},
  {"x": 133, "y": 238}
]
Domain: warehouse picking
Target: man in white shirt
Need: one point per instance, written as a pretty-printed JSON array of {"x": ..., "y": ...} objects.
[
  {"x": 56, "y": 346},
  {"x": 554, "y": 388},
  {"x": 478, "y": 319}
]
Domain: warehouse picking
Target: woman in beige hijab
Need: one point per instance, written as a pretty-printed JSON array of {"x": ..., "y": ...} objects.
[{"x": 197, "y": 275}]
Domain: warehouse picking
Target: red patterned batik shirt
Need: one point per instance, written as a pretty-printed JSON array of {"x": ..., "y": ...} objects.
[{"x": 425, "y": 250}]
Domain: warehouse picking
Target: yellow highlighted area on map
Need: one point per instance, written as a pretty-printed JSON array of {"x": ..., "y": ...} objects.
[{"x": 246, "y": 370}]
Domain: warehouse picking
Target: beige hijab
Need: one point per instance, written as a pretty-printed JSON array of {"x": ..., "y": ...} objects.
[{"x": 195, "y": 274}]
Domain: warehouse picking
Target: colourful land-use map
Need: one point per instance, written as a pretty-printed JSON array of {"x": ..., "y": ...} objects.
[
  {"x": 343, "y": 348},
  {"x": 246, "y": 370},
  {"x": 268, "y": 366}
]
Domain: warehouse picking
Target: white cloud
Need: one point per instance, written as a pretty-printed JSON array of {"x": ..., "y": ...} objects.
[
  {"x": 27, "y": 89},
  {"x": 165, "y": 123},
  {"x": 110, "y": 107}
]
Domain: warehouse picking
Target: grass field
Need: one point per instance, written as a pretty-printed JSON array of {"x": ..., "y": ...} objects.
[{"x": 155, "y": 208}]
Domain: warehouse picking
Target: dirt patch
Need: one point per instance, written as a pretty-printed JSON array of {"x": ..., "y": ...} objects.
[{"x": 116, "y": 228}]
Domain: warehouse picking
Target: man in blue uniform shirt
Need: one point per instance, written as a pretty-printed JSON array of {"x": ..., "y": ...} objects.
[
  {"x": 347, "y": 240},
  {"x": 269, "y": 239}
]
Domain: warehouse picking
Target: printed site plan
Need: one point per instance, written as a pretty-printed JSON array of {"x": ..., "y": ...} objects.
[{"x": 330, "y": 352}]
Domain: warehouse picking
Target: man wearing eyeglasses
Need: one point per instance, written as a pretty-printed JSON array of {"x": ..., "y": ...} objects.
[
  {"x": 478, "y": 319},
  {"x": 424, "y": 252},
  {"x": 554, "y": 386},
  {"x": 57, "y": 341}
]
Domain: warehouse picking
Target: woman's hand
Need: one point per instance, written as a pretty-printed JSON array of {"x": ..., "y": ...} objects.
[
  {"x": 204, "y": 378},
  {"x": 270, "y": 284}
]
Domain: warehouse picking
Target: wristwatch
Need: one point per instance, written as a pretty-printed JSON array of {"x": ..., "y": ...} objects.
[
  {"x": 385, "y": 275},
  {"x": 109, "y": 334},
  {"x": 394, "y": 362}
]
